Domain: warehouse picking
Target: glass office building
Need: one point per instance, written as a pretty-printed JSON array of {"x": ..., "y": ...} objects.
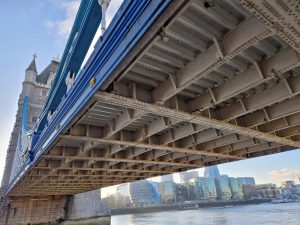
[
  {"x": 204, "y": 188},
  {"x": 236, "y": 188},
  {"x": 181, "y": 192},
  {"x": 168, "y": 177},
  {"x": 247, "y": 180},
  {"x": 167, "y": 191},
  {"x": 223, "y": 188},
  {"x": 143, "y": 193},
  {"x": 122, "y": 195},
  {"x": 212, "y": 172}
]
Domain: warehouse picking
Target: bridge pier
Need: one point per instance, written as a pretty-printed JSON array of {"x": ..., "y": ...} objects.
[
  {"x": 32, "y": 210},
  {"x": 84, "y": 208}
]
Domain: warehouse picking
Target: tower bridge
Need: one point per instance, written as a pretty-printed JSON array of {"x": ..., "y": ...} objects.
[{"x": 170, "y": 86}]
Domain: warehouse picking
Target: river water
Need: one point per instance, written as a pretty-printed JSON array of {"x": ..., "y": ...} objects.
[{"x": 266, "y": 214}]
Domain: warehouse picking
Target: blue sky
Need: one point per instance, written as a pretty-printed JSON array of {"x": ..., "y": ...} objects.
[{"x": 42, "y": 26}]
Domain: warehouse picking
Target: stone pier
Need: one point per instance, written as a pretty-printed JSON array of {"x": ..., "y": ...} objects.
[{"x": 85, "y": 208}]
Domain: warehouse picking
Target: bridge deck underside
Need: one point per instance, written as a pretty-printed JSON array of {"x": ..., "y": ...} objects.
[{"x": 213, "y": 86}]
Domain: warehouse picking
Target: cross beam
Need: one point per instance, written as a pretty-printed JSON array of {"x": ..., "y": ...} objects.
[
  {"x": 193, "y": 118},
  {"x": 148, "y": 146}
]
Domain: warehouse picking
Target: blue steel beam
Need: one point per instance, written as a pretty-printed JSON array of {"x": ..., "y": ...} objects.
[
  {"x": 24, "y": 115},
  {"x": 83, "y": 31},
  {"x": 129, "y": 25}
]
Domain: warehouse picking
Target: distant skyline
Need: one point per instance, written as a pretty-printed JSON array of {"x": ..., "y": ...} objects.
[
  {"x": 42, "y": 27},
  {"x": 262, "y": 174},
  {"x": 255, "y": 167}
]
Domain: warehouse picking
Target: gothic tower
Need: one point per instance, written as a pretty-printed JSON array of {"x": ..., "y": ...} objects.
[{"x": 35, "y": 87}]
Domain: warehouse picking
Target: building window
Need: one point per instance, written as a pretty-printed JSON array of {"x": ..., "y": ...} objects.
[
  {"x": 34, "y": 119},
  {"x": 44, "y": 93}
]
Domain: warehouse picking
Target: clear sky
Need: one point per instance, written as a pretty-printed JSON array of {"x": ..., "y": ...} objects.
[{"x": 42, "y": 27}]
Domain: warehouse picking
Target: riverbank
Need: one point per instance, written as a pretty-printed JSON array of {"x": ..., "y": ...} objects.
[
  {"x": 105, "y": 220},
  {"x": 91, "y": 221},
  {"x": 185, "y": 206},
  {"x": 262, "y": 214}
]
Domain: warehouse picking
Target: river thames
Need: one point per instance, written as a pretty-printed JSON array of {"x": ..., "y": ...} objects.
[{"x": 267, "y": 214}]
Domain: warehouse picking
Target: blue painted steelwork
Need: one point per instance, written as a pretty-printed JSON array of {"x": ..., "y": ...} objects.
[
  {"x": 83, "y": 31},
  {"x": 24, "y": 115},
  {"x": 132, "y": 20},
  {"x": 24, "y": 140}
]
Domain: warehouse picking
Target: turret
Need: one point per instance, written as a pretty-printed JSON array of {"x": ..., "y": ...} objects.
[
  {"x": 52, "y": 70},
  {"x": 31, "y": 71},
  {"x": 30, "y": 78}
]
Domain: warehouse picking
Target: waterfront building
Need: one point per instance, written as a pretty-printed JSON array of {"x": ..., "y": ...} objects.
[
  {"x": 190, "y": 185},
  {"x": 212, "y": 172},
  {"x": 188, "y": 175},
  {"x": 167, "y": 191},
  {"x": 249, "y": 191},
  {"x": 289, "y": 184},
  {"x": 297, "y": 189},
  {"x": 204, "y": 188},
  {"x": 35, "y": 88},
  {"x": 267, "y": 190},
  {"x": 168, "y": 177},
  {"x": 223, "y": 188},
  {"x": 181, "y": 192},
  {"x": 247, "y": 180},
  {"x": 123, "y": 189},
  {"x": 142, "y": 193},
  {"x": 122, "y": 195},
  {"x": 236, "y": 188},
  {"x": 285, "y": 193}
]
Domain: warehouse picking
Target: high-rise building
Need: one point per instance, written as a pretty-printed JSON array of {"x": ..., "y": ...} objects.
[
  {"x": 204, "y": 188},
  {"x": 247, "y": 180},
  {"x": 236, "y": 188},
  {"x": 168, "y": 177},
  {"x": 223, "y": 188},
  {"x": 212, "y": 172},
  {"x": 167, "y": 191},
  {"x": 34, "y": 93},
  {"x": 188, "y": 175}
]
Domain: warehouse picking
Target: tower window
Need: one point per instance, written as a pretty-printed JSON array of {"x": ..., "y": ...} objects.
[{"x": 34, "y": 119}]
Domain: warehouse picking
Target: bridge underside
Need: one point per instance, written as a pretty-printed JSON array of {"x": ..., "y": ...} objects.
[{"x": 210, "y": 86}]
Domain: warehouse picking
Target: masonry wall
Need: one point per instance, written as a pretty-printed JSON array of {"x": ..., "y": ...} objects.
[
  {"x": 87, "y": 205},
  {"x": 33, "y": 210},
  {"x": 49, "y": 209},
  {"x": 12, "y": 148}
]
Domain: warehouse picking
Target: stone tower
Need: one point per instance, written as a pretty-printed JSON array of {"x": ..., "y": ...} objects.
[{"x": 35, "y": 87}]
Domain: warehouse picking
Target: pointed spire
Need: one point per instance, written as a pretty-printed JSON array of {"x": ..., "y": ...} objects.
[{"x": 32, "y": 66}]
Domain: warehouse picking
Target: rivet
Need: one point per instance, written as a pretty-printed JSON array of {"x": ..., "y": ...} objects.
[{"x": 92, "y": 81}]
